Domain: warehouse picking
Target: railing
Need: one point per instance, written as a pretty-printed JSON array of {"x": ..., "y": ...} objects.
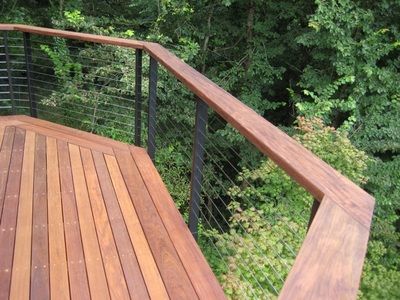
[{"x": 329, "y": 262}]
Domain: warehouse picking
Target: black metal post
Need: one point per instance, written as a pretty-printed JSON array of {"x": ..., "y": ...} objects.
[
  {"x": 314, "y": 210},
  {"x": 138, "y": 97},
  {"x": 28, "y": 62},
  {"x": 151, "y": 141},
  {"x": 197, "y": 165},
  {"x": 9, "y": 74}
]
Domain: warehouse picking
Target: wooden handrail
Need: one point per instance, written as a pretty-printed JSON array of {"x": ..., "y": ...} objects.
[{"x": 330, "y": 261}]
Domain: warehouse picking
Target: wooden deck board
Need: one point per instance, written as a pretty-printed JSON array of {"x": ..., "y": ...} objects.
[
  {"x": 82, "y": 218},
  {"x": 59, "y": 285},
  {"x": 40, "y": 277},
  {"x": 9, "y": 213}
]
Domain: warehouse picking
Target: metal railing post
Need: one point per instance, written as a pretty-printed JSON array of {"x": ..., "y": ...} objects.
[
  {"x": 197, "y": 165},
  {"x": 138, "y": 97},
  {"x": 28, "y": 62},
  {"x": 151, "y": 142},
  {"x": 9, "y": 73}
]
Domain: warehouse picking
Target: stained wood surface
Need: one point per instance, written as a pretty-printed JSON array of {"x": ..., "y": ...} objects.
[
  {"x": 332, "y": 228},
  {"x": 308, "y": 170},
  {"x": 81, "y": 223},
  {"x": 316, "y": 176}
]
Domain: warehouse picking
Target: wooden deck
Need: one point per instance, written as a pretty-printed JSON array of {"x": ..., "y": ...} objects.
[{"x": 85, "y": 217}]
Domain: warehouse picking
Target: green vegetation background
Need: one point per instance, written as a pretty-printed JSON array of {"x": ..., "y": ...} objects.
[{"x": 327, "y": 72}]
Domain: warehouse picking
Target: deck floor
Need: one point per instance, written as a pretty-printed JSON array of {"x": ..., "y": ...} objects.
[{"x": 85, "y": 217}]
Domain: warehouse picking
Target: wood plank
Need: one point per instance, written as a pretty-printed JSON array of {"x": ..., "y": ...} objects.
[
  {"x": 169, "y": 264},
  {"x": 308, "y": 170},
  {"x": 332, "y": 253},
  {"x": 2, "y": 128},
  {"x": 9, "y": 213},
  {"x": 20, "y": 282},
  {"x": 7, "y": 27},
  {"x": 75, "y": 35},
  {"x": 18, "y": 119},
  {"x": 112, "y": 264},
  {"x": 133, "y": 274},
  {"x": 202, "y": 277},
  {"x": 59, "y": 286},
  {"x": 95, "y": 270},
  {"x": 79, "y": 287},
  {"x": 5, "y": 158},
  {"x": 145, "y": 257},
  {"x": 65, "y": 137},
  {"x": 40, "y": 279}
]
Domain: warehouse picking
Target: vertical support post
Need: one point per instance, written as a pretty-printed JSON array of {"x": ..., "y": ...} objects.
[
  {"x": 9, "y": 74},
  {"x": 151, "y": 141},
  {"x": 197, "y": 165},
  {"x": 28, "y": 62},
  {"x": 138, "y": 97},
  {"x": 314, "y": 209}
]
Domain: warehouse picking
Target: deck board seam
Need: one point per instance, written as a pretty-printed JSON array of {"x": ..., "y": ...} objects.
[
  {"x": 16, "y": 217},
  {"x": 78, "y": 220},
  {"x": 91, "y": 213},
  {"x": 144, "y": 233},
  {"x": 162, "y": 221},
  {"x": 109, "y": 222},
  {"x": 69, "y": 138},
  {"x": 94, "y": 219},
  {"x": 141, "y": 225},
  {"x": 112, "y": 231},
  {"x": 19, "y": 191},
  {"x": 36, "y": 201},
  {"x": 163, "y": 225},
  {"x": 94, "y": 222},
  {"x": 68, "y": 162},
  {"x": 69, "y": 131},
  {"x": 119, "y": 209},
  {"x": 63, "y": 216},
  {"x": 8, "y": 169}
]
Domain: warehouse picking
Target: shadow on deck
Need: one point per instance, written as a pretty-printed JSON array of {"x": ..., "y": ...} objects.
[{"x": 84, "y": 216}]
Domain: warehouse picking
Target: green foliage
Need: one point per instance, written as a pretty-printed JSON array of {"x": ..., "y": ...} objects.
[
  {"x": 255, "y": 238},
  {"x": 350, "y": 80},
  {"x": 379, "y": 281},
  {"x": 335, "y": 60},
  {"x": 270, "y": 212},
  {"x": 175, "y": 174}
]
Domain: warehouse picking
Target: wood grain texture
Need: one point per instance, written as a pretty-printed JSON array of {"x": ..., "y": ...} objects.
[
  {"x": 5, "y": 157},
  {"x": 74, "y": 35},
  {"x": 94, "y": 264},
  {"x": 332, "y": 253},
  {"x": 9, "y": 213},
  {"x": 83, "y": 228},
  {"x": 308, "y": 170},
  {"x": 59, "y": 286},
  {"x": 112, "y": 265},
  {"x": 20, "y": 282},
  {"x": 321, "y": 180},
  {"x": 8, "y": 27},
  {"x": 79, "y": 287},
  {"x": 186, "y": 247},
  {"x": 174, "y": 275},
  {"x": 146, "y": 260},
  {"x": 132, "y": 271},
  {"x": 68, "y": 131},
  {"x": 65, "y": 137},
  {"x": 40, "y": 277}
]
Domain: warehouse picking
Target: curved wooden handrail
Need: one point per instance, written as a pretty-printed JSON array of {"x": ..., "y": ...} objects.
[{"x": 330, "y": 260}]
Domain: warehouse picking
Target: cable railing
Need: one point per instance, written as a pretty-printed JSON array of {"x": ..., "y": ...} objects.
[{"x": 218, "y": 158}]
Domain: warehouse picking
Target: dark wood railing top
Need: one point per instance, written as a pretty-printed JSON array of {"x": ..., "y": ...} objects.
[{"x": 330, "y": 261}]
